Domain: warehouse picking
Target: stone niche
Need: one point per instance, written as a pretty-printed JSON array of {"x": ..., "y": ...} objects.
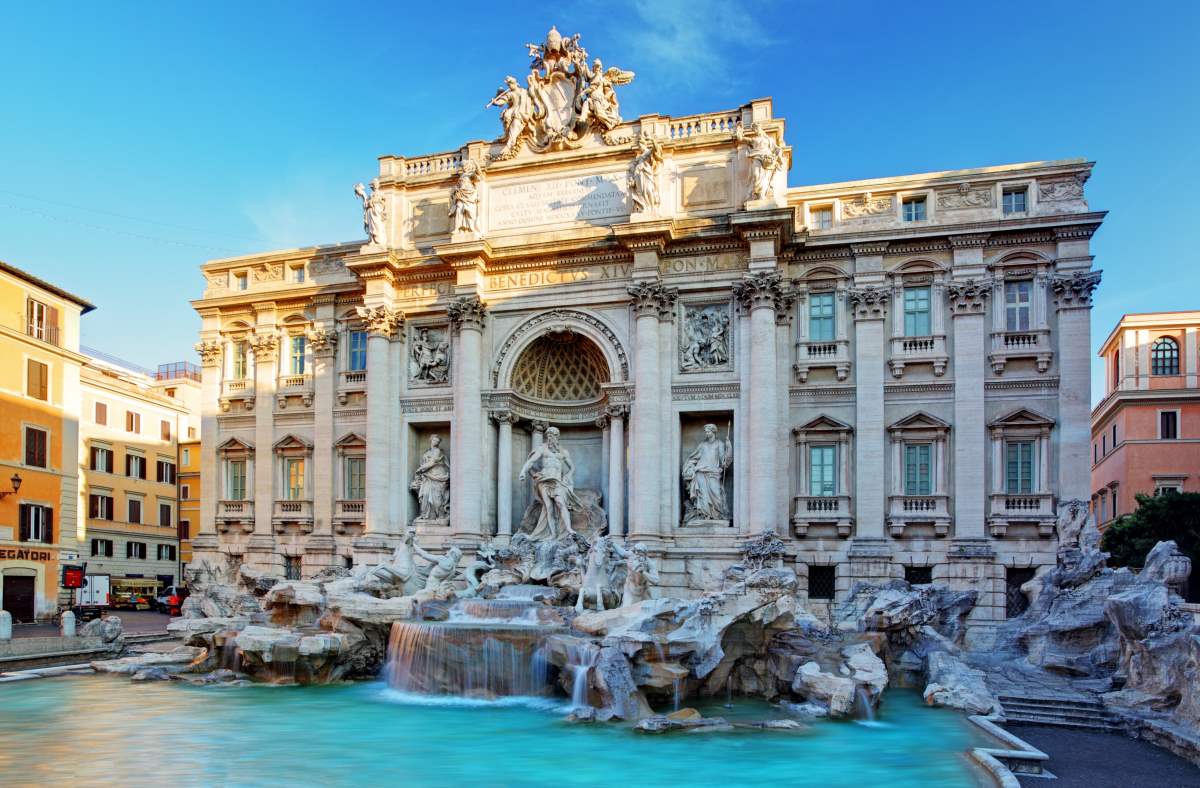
[
  {"x": 691, "y": 434},
  {"x": 419, "y": 436}
]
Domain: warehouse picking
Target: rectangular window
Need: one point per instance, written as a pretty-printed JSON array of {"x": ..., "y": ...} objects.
[
  {"x": 822, "y": 217},
  {"x": 358, "y": 351},
  {"x": 135, "y": 466},
  {"x": 102, "y": 548},
  {"x": 164, "y": 515},
  {"x": 36, "y": 523},
  {"x": 165, "y": 472},
  {"x": 241, "y": 281},
  {"x": 296, "y": 356},
  {"x": 36, "y": 441},
  {"x": 133, "y": 421},
  {"x": 356, "y": 478},
  {"x": 101, "y": 459},
  {"x": 235, "y": 482},
  {"x": 186, "y": 456},
  {"x": 239, "y": 361},
  {"x": 1019, "y": 467},
  {"x": 916, "y": 312},
  {"x": 914, "y": 209},
  {"x": 297, "y": 274},
  {"x": 294, "y": 479},
  {"x": 101, "y": 416},
  {"x": 918, "y": 575},
  {"x": 37, "y": 380},
  {"x": 38, "y": 320},
  {"x": 134, "y": 510},
  {"x": 291, "y": 567},
  {"x": 918, "y": 469},
  {"x": 822, "y": 470},
  {"x": 185, "y": 492},
  {"x": 821, "y": 581},
  {"x": 1168, "y": 425},
  {"x": 184, "y": 530},
  {"x": 164, "y": 430},
  {"x": 1015, "y": 601},
  {"x": 821, "y": 317},
  {"x": 1104, "y": 445},
  {"x": 100, "y": 506},
  {"x": 1014, "y": 201},
  {"x": 135, "y": 550},
  {"x": 1114, "y": 436},
  {"x": 166, "y": 552},
  {"x": 1018, "y": 303}
]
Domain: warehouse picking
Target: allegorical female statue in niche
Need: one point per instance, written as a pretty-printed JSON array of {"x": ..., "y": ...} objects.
[
  {"x": 431, "y": 482},
  {"x": 704, "y": 473}
]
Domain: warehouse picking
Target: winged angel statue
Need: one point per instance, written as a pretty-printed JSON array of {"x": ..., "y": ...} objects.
[{"x": 562, "y": 100}]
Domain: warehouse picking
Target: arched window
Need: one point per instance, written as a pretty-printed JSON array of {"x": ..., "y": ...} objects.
[{"x": 1164, "y": 357}]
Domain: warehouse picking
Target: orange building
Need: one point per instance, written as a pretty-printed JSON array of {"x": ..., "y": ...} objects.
[
  {"x": 39, "y": 437},
  {"x": 1146, "y": 430}
]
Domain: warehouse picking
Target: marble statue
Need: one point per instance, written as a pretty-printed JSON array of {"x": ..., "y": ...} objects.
[
  {"x": 640, "y": 576},
  {"x": 401, "y": 570},
  {"x": 704, "y": 472},
  {"x": 766, "y": 158},
  {"x": 430, "y": 355},
  {"x": 563, "y": 99},
  {"x": 464, "y": 199},
  {"x": 643, "y": 175},
  {"x": 441, "y": 574},
  {"x": 553, "y": 473},
  {"x": 374, "y": 213},
  {"x": 431, "y": 483},
  {"x": 602, "y": 557},
  {"x": 705, "y": 338}
]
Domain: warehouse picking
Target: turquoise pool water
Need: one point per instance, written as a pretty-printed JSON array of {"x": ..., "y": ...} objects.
[{"x": 105, "y": 730}]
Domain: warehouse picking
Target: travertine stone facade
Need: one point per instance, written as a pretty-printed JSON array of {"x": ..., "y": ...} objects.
[{"x": 877, "y": 352}]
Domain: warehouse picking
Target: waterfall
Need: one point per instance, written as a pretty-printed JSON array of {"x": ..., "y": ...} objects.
[
  {"x": 473, "y": 660},
  {"x": 862, "y": 701},
  {"x": 581, "y": 658},
  {"x": 231, "y": 658}
]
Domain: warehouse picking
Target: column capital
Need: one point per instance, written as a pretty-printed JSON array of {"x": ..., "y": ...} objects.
[
  {"x": 1074, "y": 291},
  {"x": 969, "y": 296},
  {"x": 602, "y": 421},
  {"x": 762, "y": 290},
  {"x": 651, "y": 298},
  {"x": 503, "y": 417},
  {"x": 323, "y": 341},
  {"x": 783, "y": 307},
  {"x": 467, "y": 312},
  {"x": 264, "y": 346},
  {"x": 869, "y": 303},
  {"x": 540, "y": 426},
  {"x": 616, "y": 411},
  {"x": 210, "y": 352},
  {"x": 382, "y": 321}
]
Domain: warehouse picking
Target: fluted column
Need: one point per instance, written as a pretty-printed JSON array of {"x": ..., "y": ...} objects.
[
  {"x": 759, "y": 294},
  {"x": 382, "y": 324},
  {"x": 647, "y": 435},
  {"x": 504, "y": 419},
  {"x": 466, "y": 464},
  {"x": 265, "y": 344},
  {"x": 616, "y": 469},
  {"x": 323, "y": 342},
  {"x": 210, "y": 393}
]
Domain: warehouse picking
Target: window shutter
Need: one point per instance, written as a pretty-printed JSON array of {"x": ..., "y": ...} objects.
[
  {"x": 101, "y": 413},
  {"x": 48, "y": 527},
  {"x": 93, "y": 507},
  {"x": 128, "y": 461},
  {"x": 23, "y": 517},
  {"x": 129, "y": 549},
  {"x": 142, "y": 469}
]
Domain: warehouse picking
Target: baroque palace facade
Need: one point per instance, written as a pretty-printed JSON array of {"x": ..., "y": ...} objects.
[{"x": 895, "y": 371}]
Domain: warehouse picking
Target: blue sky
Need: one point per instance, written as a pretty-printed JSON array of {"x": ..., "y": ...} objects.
[{"x": 138, "y": 140}]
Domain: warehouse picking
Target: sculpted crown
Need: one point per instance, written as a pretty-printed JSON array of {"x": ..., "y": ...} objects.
[
  {"x": 762, "y": 289},
  {"x": 969, "y": 295},
  {"x": 467, "y": 312},
  {"x": 1075, "y": 290},
  {"x": 381, "y": 321}
]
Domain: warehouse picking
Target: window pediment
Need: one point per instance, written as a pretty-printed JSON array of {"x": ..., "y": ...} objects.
[
  {"x": 1022, "y": 417},
  {"x": 292, "y": 444},
  {"x": 236, "y": 447},
  {"x": 351, "y": 443},
  {"x": 920, "y": 422},
  {"x": 823, "y": 426}
]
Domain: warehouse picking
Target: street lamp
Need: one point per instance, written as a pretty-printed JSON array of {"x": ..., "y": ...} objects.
[{"x": 16, "y": 486}]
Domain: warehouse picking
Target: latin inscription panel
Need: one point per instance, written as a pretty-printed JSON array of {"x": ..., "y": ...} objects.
[{"x": 594, "y": 199}]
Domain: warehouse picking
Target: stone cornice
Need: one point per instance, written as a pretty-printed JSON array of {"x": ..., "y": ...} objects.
[
  {"x": 968, "y": 240},
  {"x": 869, "y": 249}
]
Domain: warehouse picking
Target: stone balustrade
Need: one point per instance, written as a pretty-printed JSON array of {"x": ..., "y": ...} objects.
[{"x": 905, "y": 511}]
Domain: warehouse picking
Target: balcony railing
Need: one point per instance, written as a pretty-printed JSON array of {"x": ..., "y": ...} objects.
[
  {"x": 918, "y": 350},
  {"x": 235, "y": 510},
  {"x": 294, "y": 382},
  {"x": 908, "y": 510},
  {"x": 810, "y": 510},
  {"x": 1005, "y": 509},
  {"x": 826, "y": 353},
  {"x": 1034, "y": 344},
  {"x": 291, "y": 512},
  {"x": 232, "y": 389},
  {"x": 46, "y": 333}
]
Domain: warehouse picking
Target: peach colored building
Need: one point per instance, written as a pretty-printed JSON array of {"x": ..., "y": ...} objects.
[{"x": 1146, "y": 430}]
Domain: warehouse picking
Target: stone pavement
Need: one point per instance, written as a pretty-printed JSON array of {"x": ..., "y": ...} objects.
[
  {"x": 133, "y": 622},
  {"x": 1081, "y": 759}
]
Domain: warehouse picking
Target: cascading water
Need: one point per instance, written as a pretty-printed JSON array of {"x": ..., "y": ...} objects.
[
  {"x": 581, "y": 658},
  {"x": 862, "y": 702}
]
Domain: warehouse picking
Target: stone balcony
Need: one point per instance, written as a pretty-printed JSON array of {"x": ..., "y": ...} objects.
[
  {"x": 348, "y": 513},
  {"x": 815, "y": 510},
  {"x": 298, "y": 513},
  {"x": 1008, "y": 345},
  {"x": 906, "y": 351},
  {"x": 351, "y": 381},
  {"x": 1006, "y": 509},
  {"x": 237, "y": 390},
  {"x": 235, "y": 515},
  {"x": 911, "y": 510},
  {"x": 814, "y": 355},
  {"x": 293, "y": 385}
]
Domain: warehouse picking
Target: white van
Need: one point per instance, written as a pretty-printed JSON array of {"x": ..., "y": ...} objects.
[{"x": 94, "y": 598}]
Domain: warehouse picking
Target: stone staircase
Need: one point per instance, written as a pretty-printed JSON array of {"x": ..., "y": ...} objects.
[{"x": 1079, "y": 713}]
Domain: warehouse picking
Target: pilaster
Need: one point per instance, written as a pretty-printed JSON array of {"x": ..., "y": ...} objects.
[
  {"x": 870, "y": 308},
  {"x": 323, "y": 340},
  {"x": 383, "y": 322},
  {"x": 265, "y": 344},
  {"x": 467, "y": 315},
  {"x": 968, "y": 305},
  {"x": 211, "y": 351},
  {"x": 1073, "y": 298}
]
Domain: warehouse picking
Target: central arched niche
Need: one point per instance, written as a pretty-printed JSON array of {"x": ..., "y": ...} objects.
[
  {"x": 561, "y": 366},
  {"x": 562, "y": 369}
]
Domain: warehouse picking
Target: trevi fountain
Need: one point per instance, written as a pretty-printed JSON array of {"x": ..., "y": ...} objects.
[{"x": 491, "y": 616}]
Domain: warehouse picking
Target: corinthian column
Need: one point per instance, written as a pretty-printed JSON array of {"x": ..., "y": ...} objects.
[
  {"x": 210, "y": 391},
  {"x": 382, "y": 324},
  {"x": 505, "y": 420},
  {"x": 466, "y": 463},
  {"x": 758, "y": 294},
  {"x": 616, "y": 469},
  {"x": 648, "y": 434},
  {"x": 968, "y": 303},
  {"x": 265, "y": 344},
  {"x": 323, "y": 342}
]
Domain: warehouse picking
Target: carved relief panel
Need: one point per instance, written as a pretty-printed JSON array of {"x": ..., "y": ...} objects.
[
  {"x": 705, "y": 337},
  {"x": 429, "y": 354}
]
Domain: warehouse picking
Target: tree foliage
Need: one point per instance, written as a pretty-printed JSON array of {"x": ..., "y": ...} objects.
[{"x": 1157, "y": 518}]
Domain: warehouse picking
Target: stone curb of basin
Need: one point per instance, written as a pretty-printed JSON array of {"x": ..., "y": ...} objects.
[
  {"x": 1000, "y": 762},
  {"x": 44, "y": 673}
]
